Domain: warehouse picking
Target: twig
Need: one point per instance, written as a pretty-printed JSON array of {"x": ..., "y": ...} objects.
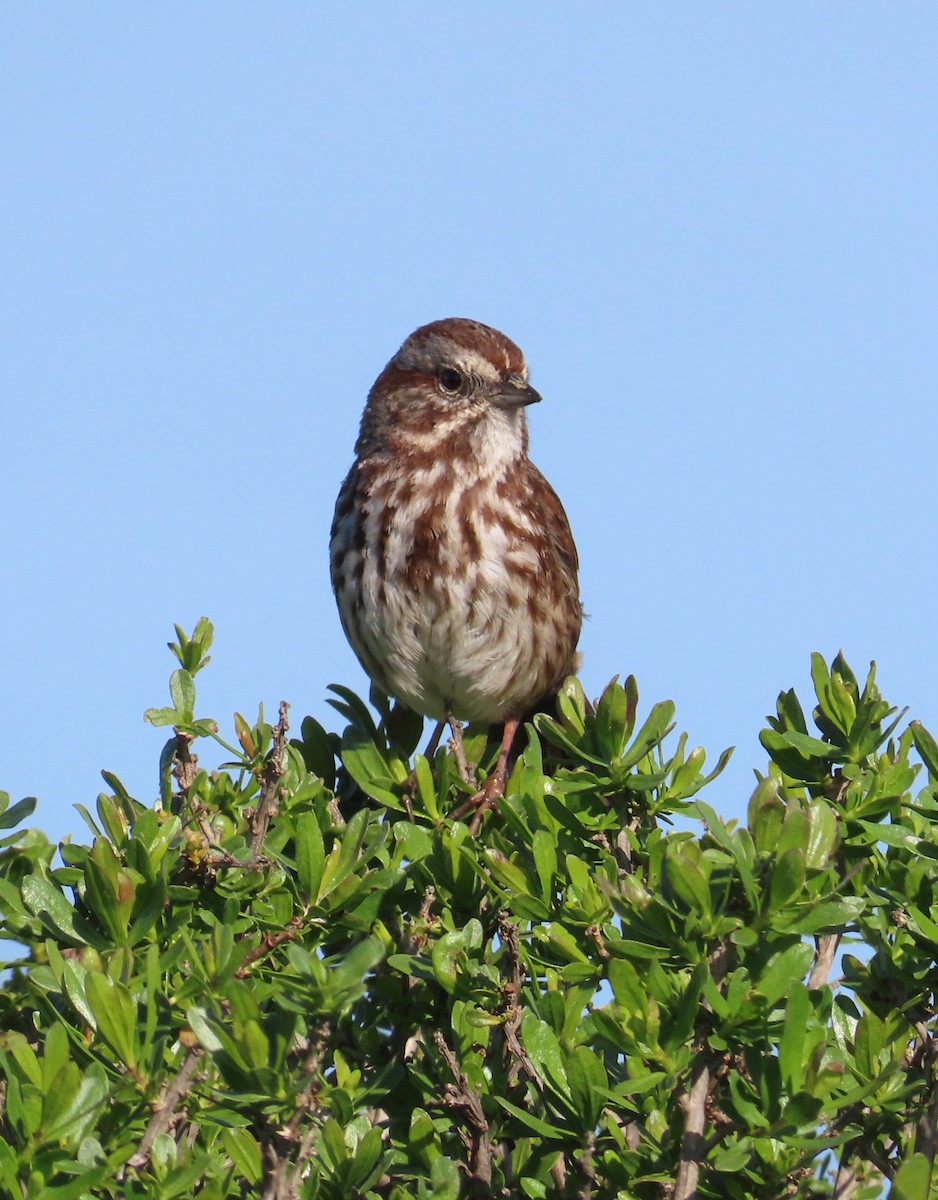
[
  {"x": 695, "y": 1101},
  {"x": 845, "y": 1184},
  {"x": 164, "y": 1108},
  {"x": 457, "y": 750},
  {"x": 585, "y": 1164},
  {"x": 185, "y": 766},
  {"x": 513, "y": 971},
  {"x": 270, "y": 779},
  {"x": 461, "y": 1095},
  {"x": 694, "y": 1104},
  {"x": 269, "y": 942},
  {"x": 926, "y": 1131},
  {"x": 824, "y": 954},
  {"x": 285, "y": 1173}
]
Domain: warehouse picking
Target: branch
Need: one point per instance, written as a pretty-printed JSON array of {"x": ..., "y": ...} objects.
[
  {"x": 270, "y": 780},
  {"x": 466, "y": 1098},
  {"x": 164, "y": 1108},
  {"x": 926, "y": 1131},
  {"x": 269, "y": 942},
  {"x": 847, "y": 1178},
  {"x": 825, "y": 951},
  {"x": 285, "y": 1173},
  {"x": 694, "y": 1101},
  {"x": 694, "y": 1104},
  {"x": 184, "y": 763},
  {"x": 584, "y": 1163},
  {"x": 513, "y": 973}
]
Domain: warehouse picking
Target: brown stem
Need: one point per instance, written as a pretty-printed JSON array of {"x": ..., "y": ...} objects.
[
  {"x": 269, "y": 942},
  {"x": 847, "y": 1178},
  {"x": 285, "y": 1173},
  {"x": 457, "y": 749},
  {"x": 475, "y": 1137},
  {"x": 824, "y": 954},
  {"x": 513, "y": 973},
  {"x": 926, "y": 1131},
  {"x": 164, "y": 1108},
  {"x": 694, "y": 1104},
  {"x": 185, "y": 765},
  {"x": 270, "y": 781},
  {"x": 585, "y": 1164}
]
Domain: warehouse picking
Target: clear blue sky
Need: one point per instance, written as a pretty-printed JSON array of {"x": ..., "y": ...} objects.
[{"x": 711, "y": 227}]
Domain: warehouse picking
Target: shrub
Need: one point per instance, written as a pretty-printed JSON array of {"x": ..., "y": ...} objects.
[{"x": 296, "y": 976}]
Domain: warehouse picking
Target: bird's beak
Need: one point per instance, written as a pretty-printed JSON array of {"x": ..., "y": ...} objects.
[{"x": 514, "y": 392}]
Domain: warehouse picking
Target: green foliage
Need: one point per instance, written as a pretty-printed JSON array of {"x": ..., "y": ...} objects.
[{"x": 297, "y": 976}]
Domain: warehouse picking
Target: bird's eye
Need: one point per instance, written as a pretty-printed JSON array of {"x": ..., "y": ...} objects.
[{"x": 451, "y": 380}]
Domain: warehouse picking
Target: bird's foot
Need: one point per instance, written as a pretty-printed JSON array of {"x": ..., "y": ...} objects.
[
  {"x": 479, "y": 804},
  {"x": 494, "y": 787}
]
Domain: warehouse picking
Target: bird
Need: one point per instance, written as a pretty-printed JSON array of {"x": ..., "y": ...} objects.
[{"x": 452, "y": 560}]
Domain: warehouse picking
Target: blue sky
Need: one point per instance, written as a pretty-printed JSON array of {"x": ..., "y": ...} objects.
[{"x": 711, "y": 227}]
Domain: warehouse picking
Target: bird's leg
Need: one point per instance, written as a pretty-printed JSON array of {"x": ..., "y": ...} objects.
[
  {"x": 494, "y": 787},
  {"x": 455, "y": 744}
]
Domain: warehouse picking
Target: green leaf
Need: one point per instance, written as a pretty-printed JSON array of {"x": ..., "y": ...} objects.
[
  {"x": 555, "y": 733},
  {"x": 921, "y": 924},
  {"x": 55, "y": 912},
  {"x": 783, "y": 970},
  {"x": 78, "y": 1188},
  {"x": 368, "y": 767},
  {"x": 765, "y": 816},
  {"x": 612, "y": 719},
  {"x": 792, "y": 1041},
  {"x": 426, "y": 792},
  {"x": 571, "y": 701},
  {"x": 88, "y": 1100},
  {"x": 679, "y": 1029},
  {"x": 926, "y": 746},
  {"x": 115, "y": 1013},
  {"x": 561, "y": 937},
  {"x": 554, "y": 1132},
  {"x": 787, "y": 879},
  {"x": 869, "y": 1040},
  {"x": 201, "y": 1025},
  {"x": 587, "y": 1078},
  {"x": 55, "y": 1054},
  {"x": 19, "y": 812},
  {"x": 443, "y": 956},
  {"x": 655, "y": 729},
  {"x": 901, "y": 836},
  {"x": 827, "y": 916},
  {"x": 109, "y": 891},
  {"x": 310, "y": 856},
  {"x": 543, "y": 1049},
  {"x": 751, "y": 1115},
  {"x": 354, "y": 709},
  {"x": 182, "y": 694},
  {"x": 444, "y": 1179},
  {"x": 545, "y": 860},
  {"x": 626, "y": 985},
  {"x": 912, "y": 1180},
  {"x": 823, "y": 834},
  {"x": 686, "y": 880},
  {"x": 164, "y": 716},
  {"x": 794, "y": 831}
]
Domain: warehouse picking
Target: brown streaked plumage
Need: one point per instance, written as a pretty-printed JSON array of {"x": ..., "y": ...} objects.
[{"x": 453, "y": 564}]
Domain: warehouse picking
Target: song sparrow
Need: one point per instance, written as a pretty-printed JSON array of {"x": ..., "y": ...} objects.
[{"x": 453, "y": 564}]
